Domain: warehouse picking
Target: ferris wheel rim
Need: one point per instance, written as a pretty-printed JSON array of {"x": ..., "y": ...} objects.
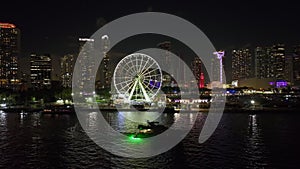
[{"x": 138, "y": 69}]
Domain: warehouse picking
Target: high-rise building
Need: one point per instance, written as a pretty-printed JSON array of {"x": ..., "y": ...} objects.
[
  {"x": 278, "y": 56},
  {"x": 9, "y": 52},
  {"x": 106, "y": 73},
  {"x": 262, "y": 67},
  {"x": 219, "y": 66},
  {"x": 241, "y": 64},
  {"x": 87, "y": 64},
  {"x": 167, "y": 78},
  {"x": 167, "y": 47},
  {"x": 270, "y": 62},
  {"x": 40, "y": 71},
  {"x": 214, "y": 69},
  {"x": 289, "y": 71},
  {"x": 66, "y": 70},
  {"x": 296, "y": 65},
  {"x": 197, "y": 69}
]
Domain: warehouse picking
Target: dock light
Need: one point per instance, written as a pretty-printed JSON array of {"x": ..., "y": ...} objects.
[{"x": 252, "y": 102}]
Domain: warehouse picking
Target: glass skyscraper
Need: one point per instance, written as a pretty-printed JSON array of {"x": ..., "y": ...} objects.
[{"x": 9, "y": 52}]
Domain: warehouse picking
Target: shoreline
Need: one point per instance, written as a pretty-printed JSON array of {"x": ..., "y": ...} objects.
[{"x": 168, "y": 110}]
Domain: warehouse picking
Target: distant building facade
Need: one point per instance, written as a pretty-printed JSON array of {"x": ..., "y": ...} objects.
[
  {"x": 40, "y": 71},
  {"x": 296, "y": 65},
  {"x": 87, "y": 63},
  {"x": 106, "y": 73},
  {"x": 263, "y": 68},
  {"x": 278, "y": 56},
  {"x": 241, "y": 64},
  {"x": 270, "y": 62},
  {"x": 66, "y": 70},
  {"x": 166, "y": 46},
  {"x": 9, "y": 52},
  {"x": 197, "y": 71}
]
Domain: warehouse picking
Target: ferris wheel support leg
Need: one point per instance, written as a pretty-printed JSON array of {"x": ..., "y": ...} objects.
[
  {"x": 144, "y": 92},
  {"x": 132, "y": 90}
]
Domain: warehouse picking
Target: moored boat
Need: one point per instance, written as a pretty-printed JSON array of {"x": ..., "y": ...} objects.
[{"x": 58, "y": 109}]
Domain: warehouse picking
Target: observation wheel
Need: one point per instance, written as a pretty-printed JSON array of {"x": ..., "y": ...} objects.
[{"x": 137, "y": 78}]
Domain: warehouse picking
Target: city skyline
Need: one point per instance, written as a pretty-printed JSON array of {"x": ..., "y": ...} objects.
[
  {"x": 149, "y": 84},
  {"x": 274, "y": 62},
  {"x": 250, "y": 29}
]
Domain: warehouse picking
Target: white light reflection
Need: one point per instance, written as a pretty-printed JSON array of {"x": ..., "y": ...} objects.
[
  {"x": 139, "y": 116},
  {"x": 92, "y": 120},
  {"x": 2, "y": 118}
]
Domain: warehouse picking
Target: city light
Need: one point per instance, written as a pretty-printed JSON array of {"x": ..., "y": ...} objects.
[
  {"x": 7, "y": 25},
  {"x": 86, "y": 39}
]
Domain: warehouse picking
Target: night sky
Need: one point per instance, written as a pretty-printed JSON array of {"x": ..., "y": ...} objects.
[{"x": 54, "y": 26}]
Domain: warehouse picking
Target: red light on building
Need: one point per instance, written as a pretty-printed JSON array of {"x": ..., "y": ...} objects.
[
  {"x": 7, "y": 25},
  {"x": 201, "y": 81}
]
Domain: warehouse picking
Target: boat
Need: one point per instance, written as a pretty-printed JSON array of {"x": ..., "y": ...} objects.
[
  {"x": 139, "y": 107},
  {"x": 151, "y": 129},
  {"x": 58, "y": 109}
]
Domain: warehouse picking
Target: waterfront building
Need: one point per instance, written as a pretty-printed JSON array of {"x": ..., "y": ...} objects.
[
  {"x": 219, "y": 66},
  {"x": 106, "y": 72},
  {"x": 87, "y": 64},
  {"x": 296, "y": 65},
  {"x": 263, "y": 68},
  {"x": 40, "y": 71},
  {"x": 197, "y": 71},
  {"x": 278, "y": 56},
  {"x": 241, "y": 64},
  {"x": 166, "y": 46},
  {"x": 270, "y": 62},
  {"x": 9, "y": 52},
  {"x": 66, "y": 70}
]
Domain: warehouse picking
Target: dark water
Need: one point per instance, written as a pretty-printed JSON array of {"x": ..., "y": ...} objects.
[{"x": 264, "y": 140}]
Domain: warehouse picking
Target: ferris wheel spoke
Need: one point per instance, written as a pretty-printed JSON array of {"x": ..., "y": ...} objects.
[
  {"x": 141, "y": 64},
  {"x": 129, "y": 69},
  {"x": 145, "y": 64},
  {"x": 152, "y": 76},
  {"x": 129, "y": 88},
  {"x": 149, "y": 83},
  {"x": 124, "y": 82},
  {"x": 123, "y": 77},
  {"x": 144, "y": 92},
  {"x": 133, "y": 89},
  {"x": 148, "y": 68},
  {"x": 123, "y": 87},
  {"x": 133, "y": 65},
  {"x": 146, "y": 73},
  {"x": 137, "y": 65},
  {"x": 132, "y": 69},
  {"x": 150, "y": 90},
  {"x": 149, "y": 80}
]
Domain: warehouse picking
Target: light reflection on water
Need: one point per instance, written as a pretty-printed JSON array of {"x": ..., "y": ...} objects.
[
  {"x": 2, "y": 118},
  {"x": 140, "y": 116},
  {"x": 32, "y": 140}
]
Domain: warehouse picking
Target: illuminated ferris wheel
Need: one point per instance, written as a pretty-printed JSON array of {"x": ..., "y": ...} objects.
[{"x": 137, "y": 77}]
